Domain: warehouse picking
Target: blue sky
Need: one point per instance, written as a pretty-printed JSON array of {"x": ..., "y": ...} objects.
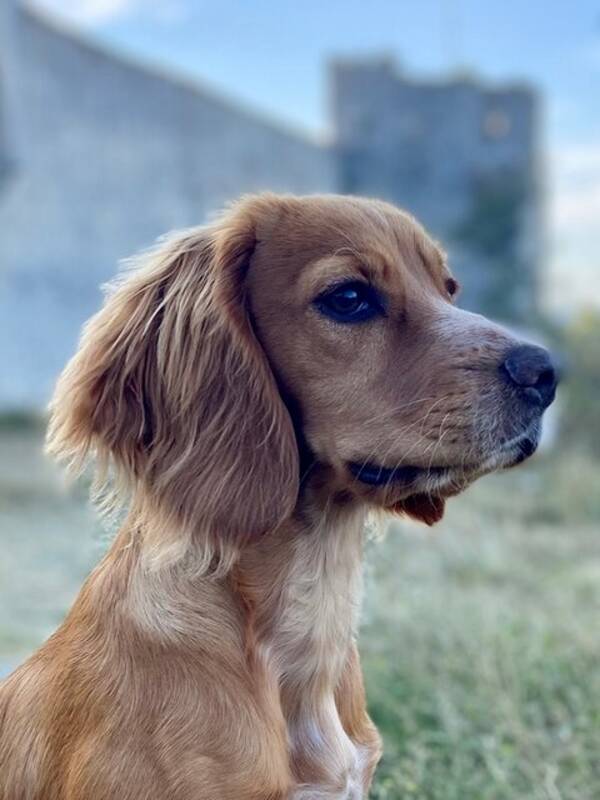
[{"x": 272, "y": 56}]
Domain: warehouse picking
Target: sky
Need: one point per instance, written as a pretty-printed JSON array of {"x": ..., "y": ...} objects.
[{"x": 272, "y": 54}]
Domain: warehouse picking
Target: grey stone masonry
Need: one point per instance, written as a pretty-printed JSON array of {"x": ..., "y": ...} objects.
[
  {"x": 461, "y": 156},
  {"x": 100, "y": 155},
  {"x": 107, "y": 156}
]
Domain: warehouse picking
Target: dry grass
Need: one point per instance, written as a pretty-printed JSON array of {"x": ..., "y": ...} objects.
[{"x": 480, "y": 640}]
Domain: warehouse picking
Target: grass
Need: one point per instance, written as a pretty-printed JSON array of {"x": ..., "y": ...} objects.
[
  {"x": 480, "y": 640},
  {"x": 481, "y": 645}
]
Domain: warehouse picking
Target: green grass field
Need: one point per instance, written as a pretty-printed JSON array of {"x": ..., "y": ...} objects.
[{"x": 480, "y": 641}]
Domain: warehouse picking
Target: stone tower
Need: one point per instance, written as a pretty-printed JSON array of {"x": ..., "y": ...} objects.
[{"x": 460, "y": 156}]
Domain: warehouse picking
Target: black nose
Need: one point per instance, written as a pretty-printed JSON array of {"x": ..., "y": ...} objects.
[{"x": 532, "y": 369}]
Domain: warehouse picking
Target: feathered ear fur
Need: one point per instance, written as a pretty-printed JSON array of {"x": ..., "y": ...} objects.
[{"x": 171, "y": 389}]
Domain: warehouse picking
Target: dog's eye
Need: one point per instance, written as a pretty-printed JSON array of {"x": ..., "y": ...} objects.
[
  {"x": 452, "y": 287},
  {"x": 349, "y": 302}
]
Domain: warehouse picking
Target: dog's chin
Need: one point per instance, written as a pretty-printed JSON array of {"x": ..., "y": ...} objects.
[{"x": 420, "y": 492}]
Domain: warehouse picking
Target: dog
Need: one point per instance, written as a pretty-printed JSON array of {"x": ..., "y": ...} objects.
[{"x": 251, "y": 393}]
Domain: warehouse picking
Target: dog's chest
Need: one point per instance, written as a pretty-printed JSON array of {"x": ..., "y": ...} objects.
[
  {"x": 304, "y": 650},
  {"x": 317, "y": 609}
]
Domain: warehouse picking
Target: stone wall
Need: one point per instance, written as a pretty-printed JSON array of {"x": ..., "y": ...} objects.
[
  {"x": 99, "y": 156},
  {"x": 461, "y": 157},
  {"x": 107, "y": 157}
]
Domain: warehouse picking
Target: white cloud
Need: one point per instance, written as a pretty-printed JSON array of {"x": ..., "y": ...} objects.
[
  {"x": 575, "y": 196},
  {"x": 87, "y": 12},
  {"x": 575, "y": 189},
  {"x": 574, "y": 219},
  {"x": 95, "y": 12}
]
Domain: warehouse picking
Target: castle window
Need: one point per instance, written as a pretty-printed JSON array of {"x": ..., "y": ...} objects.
[{"x": 496, "y": 124}]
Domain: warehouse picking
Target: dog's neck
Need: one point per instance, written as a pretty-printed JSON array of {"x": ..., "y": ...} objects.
[
  {"x": 284, "y": 616},
  {"x": 302, "y": 591},
  {"x": 302, "y": 586}
]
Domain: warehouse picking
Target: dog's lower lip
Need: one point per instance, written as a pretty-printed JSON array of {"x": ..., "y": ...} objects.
[
  {"x": 526, "y": 448},
  {"x": 376, "y": 475}
]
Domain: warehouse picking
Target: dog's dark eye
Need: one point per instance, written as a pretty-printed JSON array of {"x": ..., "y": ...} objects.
[
  {"x": 349, "y": 302},
  {"x": 452, "y": 287}
]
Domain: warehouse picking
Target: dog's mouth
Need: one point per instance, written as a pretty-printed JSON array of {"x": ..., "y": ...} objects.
[
  {"x": 435, "y": 479},
  {"x": 376, "y": 475},
  {"x": 420, "y": 492}
]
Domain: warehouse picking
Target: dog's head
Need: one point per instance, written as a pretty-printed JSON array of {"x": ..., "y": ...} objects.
[{"x": 297, "y": 337}]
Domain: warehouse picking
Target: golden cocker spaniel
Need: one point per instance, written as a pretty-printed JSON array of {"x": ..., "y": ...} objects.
[{"x": 252, "y": 391}]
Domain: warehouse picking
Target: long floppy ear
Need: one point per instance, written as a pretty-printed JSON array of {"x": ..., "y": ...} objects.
[{"x": 171, "y": 389}]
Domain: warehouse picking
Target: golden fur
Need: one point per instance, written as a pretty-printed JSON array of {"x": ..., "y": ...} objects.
[{"x": 211, "y": 655}]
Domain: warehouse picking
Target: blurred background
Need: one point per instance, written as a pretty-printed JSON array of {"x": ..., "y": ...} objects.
[{"x": 123, "y": 119}]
